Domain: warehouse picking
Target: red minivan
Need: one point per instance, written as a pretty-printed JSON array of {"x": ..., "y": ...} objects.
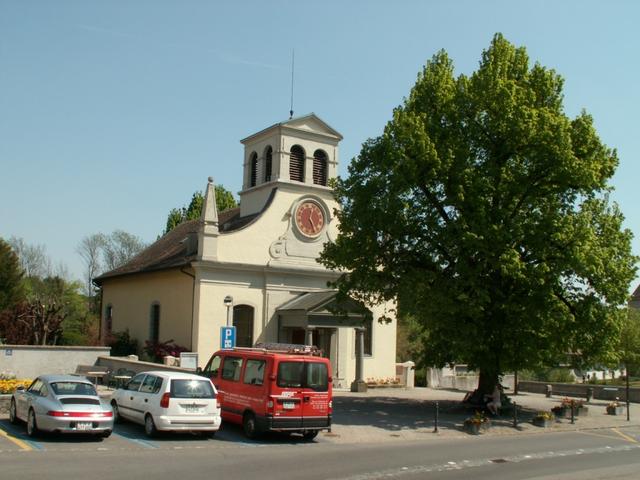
[{"x": 273, "y": 387}]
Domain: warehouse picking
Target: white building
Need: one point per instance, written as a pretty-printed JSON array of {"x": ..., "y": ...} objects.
[{"x": 263, "y": 255}]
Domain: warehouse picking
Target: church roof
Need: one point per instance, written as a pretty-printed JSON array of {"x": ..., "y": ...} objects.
[
  {"x": 635, "y": 298},
  {"x": 175, "y": 249}
]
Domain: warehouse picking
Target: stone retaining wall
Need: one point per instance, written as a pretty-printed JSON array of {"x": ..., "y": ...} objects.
[
  {"x": 600, "y": 392},
  {"x": 29, "y": 361}
]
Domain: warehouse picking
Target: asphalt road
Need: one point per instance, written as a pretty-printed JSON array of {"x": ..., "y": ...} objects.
[{"x": 128, "y": 454}]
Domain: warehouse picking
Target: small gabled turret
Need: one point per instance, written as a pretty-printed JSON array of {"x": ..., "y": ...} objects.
[{"x": 208, "y": 231}]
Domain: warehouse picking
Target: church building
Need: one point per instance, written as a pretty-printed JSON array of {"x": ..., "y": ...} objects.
[{"x": 255, "y": 266}]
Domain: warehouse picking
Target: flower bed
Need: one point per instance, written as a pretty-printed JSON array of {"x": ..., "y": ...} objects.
[
  {"x": 10, "y": 385},
  {"x": 544, "y": 419},
  {"x": 615, "y": 408}
]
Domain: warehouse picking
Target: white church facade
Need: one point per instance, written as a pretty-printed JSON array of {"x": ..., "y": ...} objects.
[{"x": 262, "y": 258}]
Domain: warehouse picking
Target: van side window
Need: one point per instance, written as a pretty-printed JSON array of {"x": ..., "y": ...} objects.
[
  {"x": 211, "y": 370},
  {"x": 231, "y": 368},
  {"x": 135, "y": 382},
  {"x": 147, "y": 385},
  {"x": 254, "y": 372}
]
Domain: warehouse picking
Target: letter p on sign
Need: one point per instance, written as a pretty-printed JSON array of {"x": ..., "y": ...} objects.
[{"x": 227, "y": 337}]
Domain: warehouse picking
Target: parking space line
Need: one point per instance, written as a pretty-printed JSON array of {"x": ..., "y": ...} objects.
[
  {"x": 23, "y": 445},
  {"x": 137, "y": 441}
]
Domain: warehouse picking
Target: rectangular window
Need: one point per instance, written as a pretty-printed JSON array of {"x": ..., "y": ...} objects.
[
  {"x": 231, "y": 368},
  {"x": 192, "y": 389},
  {"x": 254, "y": 372},
  {"x": 148, "y": 384},
  {"x": 312, "y": 375},
  {"x": 154, "y": 327}
]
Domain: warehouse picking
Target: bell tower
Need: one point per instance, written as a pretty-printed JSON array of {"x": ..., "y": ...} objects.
[{"x": 300, "y": 153}]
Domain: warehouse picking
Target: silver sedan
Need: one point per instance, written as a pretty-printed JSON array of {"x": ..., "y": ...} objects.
[{"x": 61, "y": 403}]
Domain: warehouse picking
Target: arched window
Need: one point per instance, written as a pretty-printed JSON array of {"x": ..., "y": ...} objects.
[
  {"x": 154, "y": 323},
  {"x": 320, "y": 168},
  {"x": 296, "y": 164},
  {"x": 268, "y": 160},
  {"x": 254, "y": 169},
  {"x": 243, "y": 321}
]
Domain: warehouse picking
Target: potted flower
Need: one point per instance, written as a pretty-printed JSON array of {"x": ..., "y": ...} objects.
[
  {"x": 615, "y": 408},
  {"x": 578, "y": 407},
  {"x": 544, "y": 419},
  {"x": 476, "y": 423}
]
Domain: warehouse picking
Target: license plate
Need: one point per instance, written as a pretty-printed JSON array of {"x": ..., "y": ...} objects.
[
  {"x": 191, "y": 409},
  {"x": 83, "y": 426},
  {"x": 288, "y": 405}
]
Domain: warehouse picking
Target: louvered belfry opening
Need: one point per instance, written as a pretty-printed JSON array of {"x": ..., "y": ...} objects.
[
  {"x": 296, "y": 164},
  {"x": 268, "y": 157},
  {"x": 254, "y": 169},
  {"x": 320, "y": 168}
]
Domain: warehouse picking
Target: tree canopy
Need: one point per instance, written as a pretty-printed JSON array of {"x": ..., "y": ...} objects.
[
  {"x": 483, "y": 209},
  {"x": 224, "y": 201}
]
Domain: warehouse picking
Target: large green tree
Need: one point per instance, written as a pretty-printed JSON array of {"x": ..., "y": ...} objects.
[
  {"x": 224, "y": 201},
  {"x": 484, "y": 210}
]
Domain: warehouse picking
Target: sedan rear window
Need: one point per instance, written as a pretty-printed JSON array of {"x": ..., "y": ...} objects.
[
  {"x": 192, "y": 389},
  {"x": 73, "y": 388},
  {"x": 312, "y": 375}
]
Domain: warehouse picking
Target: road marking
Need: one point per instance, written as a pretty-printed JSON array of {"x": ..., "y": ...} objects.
[
  {"x": 23, "y": 445},
  {"x": 137, "y": 441},
  {"x": 626, "y": 437},
  {"x": 483, "y": 462},
  {"x": 595, "y": 434}
]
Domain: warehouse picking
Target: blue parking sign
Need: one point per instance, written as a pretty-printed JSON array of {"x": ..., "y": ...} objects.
[{"x": 227, "y": 337}]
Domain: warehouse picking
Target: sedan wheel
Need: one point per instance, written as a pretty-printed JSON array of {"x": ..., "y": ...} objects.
[
  {"x": 150, "y": 427},
  {"x": 32, "y": 426},
  {"x": 13, "y": 415}
]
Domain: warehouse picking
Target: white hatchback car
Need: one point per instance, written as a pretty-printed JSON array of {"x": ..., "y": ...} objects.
[{"x": 168, "y": 401}]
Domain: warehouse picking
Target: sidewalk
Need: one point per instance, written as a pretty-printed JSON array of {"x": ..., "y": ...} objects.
[{"x": 408, "y": 414}]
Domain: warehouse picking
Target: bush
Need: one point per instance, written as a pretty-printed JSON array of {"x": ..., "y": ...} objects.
[
  {"x": 158, "y": 350},
  {"x": 122, "y": 344}
]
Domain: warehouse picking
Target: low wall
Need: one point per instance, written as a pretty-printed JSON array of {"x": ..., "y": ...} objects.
[
  {"x": 29, "y": 361},
  {"x": 600, "y": 392},
  {"x": 467, "y": 383}
]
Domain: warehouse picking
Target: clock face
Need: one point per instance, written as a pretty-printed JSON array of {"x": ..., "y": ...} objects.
[{"x": 309, "y": 219}]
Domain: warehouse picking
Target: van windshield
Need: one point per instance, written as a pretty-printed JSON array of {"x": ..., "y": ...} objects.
[{"x": 312, "y": 375}]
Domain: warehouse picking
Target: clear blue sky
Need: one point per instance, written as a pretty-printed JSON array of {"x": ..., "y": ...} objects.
[{"x": 112, "y": 113}]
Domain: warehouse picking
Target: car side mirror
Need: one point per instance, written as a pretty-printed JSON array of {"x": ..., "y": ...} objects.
[
  {"x": 199, "y": 370},
  {"x": 20, "y": 388}
]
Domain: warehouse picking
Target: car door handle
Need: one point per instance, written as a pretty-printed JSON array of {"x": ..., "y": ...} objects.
[
  {"x": 130, "y": 398},
  {"x": 306, "y": 399},
  {"x": 146, "y": 400}
]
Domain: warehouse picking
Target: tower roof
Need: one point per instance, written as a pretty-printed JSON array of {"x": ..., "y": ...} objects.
[{"x": 307, "y": 123}]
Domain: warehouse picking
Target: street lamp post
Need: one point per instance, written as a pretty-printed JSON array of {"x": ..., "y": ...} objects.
[{"x": 228, "y": 302}]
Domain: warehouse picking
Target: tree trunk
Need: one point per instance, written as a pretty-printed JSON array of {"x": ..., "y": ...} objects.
[{"x": 487, "y": 382}]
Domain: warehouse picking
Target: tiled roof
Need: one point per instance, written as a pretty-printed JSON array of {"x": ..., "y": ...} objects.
[
  {"x": 635, "y": 298},
  {"x": 175, "y": 249}
]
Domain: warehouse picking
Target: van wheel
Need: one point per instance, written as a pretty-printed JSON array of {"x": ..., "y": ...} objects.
[
  {"x": 149, "y": 426},
  {"x": 310, "y": 435},
  {"x": 249, "y": 425},
  {"x": 116, "y": 412}
]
